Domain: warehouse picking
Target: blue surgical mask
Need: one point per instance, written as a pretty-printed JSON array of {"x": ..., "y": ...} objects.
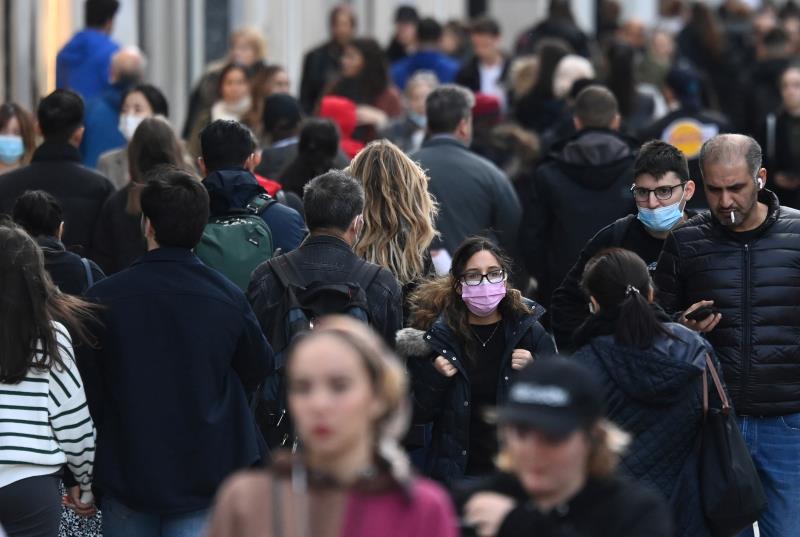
[
  {"x": 661, "y": 219},
  {"x": 11, "y": 148}
]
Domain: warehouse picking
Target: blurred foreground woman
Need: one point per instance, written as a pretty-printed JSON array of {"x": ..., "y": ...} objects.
[{"x": 348, "y": 398}]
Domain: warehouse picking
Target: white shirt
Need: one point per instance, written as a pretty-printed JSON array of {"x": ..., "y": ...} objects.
[{"x": 491, "y": 83}]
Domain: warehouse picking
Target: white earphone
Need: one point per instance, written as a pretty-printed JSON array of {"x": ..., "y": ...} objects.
[{"x": 760, "y": 183}]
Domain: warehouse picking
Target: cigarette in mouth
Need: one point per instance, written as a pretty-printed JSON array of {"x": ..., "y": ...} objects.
[{"x": 733, "y": 217}]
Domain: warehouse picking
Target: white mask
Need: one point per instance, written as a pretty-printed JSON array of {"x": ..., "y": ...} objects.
[{"x": 128, "y": 124}]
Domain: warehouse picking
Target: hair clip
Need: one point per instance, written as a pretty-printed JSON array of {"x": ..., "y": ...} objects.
[{"x": 630, "y": 290}]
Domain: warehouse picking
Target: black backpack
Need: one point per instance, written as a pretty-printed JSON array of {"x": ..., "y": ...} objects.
[{"x": 302, "y": 303}]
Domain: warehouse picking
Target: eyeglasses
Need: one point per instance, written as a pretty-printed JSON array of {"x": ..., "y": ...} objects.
[
  {"x": 476, "y": 278},
  {"x": 661, "y": 192}
]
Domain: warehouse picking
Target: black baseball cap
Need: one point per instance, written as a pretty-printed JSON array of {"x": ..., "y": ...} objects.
[
  {"x": 281, "y": 111},
  {"x": 553, "y": 395}
]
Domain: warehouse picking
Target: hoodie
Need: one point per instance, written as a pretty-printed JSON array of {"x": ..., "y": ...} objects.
[
  {"x": 233, "y": 189},
  {"x": 655, "y": 394},
  {"x": 582, "y": 186},
  {"x": 83, "y": 65}
]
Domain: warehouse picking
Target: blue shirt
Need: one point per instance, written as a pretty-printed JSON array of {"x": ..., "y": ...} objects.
[
  {"x": 443, "y": 65},
  {"x": 83, "y": 65}
]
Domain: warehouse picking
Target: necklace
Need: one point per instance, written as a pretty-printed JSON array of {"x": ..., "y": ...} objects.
[{"x": 490, "y": 335}]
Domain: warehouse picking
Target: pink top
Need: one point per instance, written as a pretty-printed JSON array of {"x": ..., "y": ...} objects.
[{"x": 429, "y": 512}]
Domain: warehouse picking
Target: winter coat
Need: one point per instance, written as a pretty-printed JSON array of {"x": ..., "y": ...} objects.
[
  {"x": 475, "y": 197},
  {"x": 569, "y": 304},
  {"x": 446, "y": 401},
  {"x": 753, "y": 280},
  {"x": 655, "y": 394},
  {"x": 582, "y": 186},
  {"x": 56, "y": 168},
  {"x": 234, "y": 188}
]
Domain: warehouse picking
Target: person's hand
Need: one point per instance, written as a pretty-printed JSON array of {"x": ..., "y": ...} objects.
[
  {"x": 369, "y": 115},
  {"x": 703, "y": 325},
  {"x": 73, "y": 501},
  {"x": 444, "y": 367},
  {"x": 485, "y": 511},
  {"x": 520, "y": 358}
]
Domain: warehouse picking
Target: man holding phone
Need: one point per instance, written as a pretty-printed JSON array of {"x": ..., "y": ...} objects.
[{"x": 740, "y": 263}]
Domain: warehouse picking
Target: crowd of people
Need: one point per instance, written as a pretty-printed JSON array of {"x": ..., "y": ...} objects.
[{"x": 445, "y": 289}]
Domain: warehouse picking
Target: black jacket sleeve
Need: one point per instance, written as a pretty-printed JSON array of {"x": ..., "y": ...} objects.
[
  {"x": 568, "y": 308},
  {"x": 392, "y": 309},
  {"x": 254, "y": 359},
  {"x": 670, "y": 287},
  {"x": 428, "y": 387}
]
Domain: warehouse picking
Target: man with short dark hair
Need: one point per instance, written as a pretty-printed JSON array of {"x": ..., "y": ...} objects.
[
  {"x": 333, "y": 203},
  {"x": 229, "y": 152},
  {"x": 474, "y": 196},
  {"x": 487, "y": 70},
  {"x": 742, "y": 258},
  {"x": 56, "y": 169},
  {"x": 83, "y": 63},
  {"x": 661, "y": 188},
  {"x": 178, "y": 352},
  {"x": 428, "y": 57},
  {"x": 581, "y": 186}
]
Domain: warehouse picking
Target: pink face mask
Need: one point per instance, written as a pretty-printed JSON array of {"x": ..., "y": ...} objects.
[{"x": 483, "y": 299}]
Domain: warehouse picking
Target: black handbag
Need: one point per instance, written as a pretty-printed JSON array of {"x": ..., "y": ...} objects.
[{"x": 731, "y": 490}]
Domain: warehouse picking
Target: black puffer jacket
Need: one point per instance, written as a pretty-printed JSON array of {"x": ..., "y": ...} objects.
[
  {"x": 447, "y": 401},
  {"x": 581, "y": 187},
  {"x": 655, "y": 394},
  {"x": 754, "y": 280}
]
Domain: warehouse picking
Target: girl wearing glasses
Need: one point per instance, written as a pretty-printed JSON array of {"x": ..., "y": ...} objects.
[{"x": 471, "y": 333}]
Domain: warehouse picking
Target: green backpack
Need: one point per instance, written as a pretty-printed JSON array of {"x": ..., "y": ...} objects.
[{"x": 238, "y": 242}]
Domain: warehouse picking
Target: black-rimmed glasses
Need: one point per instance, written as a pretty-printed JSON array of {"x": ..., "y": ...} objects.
[
  {"x": 476, "y": 278},
  {"x": 662, "y": 192}
]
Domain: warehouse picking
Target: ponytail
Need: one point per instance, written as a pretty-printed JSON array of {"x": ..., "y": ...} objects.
[
  {"x": 637, "y": 325},
  {"x": 620, "y": 282}
]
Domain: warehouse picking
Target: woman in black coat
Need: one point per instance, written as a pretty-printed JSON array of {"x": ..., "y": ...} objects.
[
  {"x": 652, "y": 373},
  {"x": 472, "y": 333}
]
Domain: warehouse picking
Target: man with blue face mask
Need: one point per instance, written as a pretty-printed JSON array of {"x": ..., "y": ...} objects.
[{"x": 661, "y": 189}]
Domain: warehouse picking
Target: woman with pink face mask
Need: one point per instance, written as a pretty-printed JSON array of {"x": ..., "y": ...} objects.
[{"x": 471, "y": 333}]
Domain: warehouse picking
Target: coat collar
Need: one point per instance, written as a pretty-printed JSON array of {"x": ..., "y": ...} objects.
[
  {"x": 170, "y": 254},
  {"x": 55, "y": 152}
]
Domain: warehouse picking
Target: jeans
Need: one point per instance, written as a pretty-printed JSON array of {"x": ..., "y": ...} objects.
[
  {"x": 774, "y": 444},
  {"x": 31, "y": 507},
  {"x": 121, "y": 521}
]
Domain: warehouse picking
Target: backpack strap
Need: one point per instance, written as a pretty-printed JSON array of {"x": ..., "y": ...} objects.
[
  {"x": 621, "y": 229},
  {"x": 260, "y": 203},
  {"x": 87, "y": 268},
  {"x": 365, "y": 274},
  {"x": 286, "y": 271}
]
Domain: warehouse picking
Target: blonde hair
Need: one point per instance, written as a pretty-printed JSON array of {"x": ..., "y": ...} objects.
[
  {"x": 523, "y": 74},
  {"x": 389, "y": 382},
  {"x": 398, "y": 210},
  {"x": 570, "y": 69},
  {"x": 608, "y": 443},
  {"x": 253, "y": 38}
]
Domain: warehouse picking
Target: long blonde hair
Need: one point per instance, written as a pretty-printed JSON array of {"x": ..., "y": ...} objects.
[{"x": 398, "y": 210}]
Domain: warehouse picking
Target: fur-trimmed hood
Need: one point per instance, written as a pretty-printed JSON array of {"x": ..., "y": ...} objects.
[{"x": 410, "y": 343}]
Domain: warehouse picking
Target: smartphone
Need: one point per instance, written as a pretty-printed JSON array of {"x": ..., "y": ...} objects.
[{"x": 701, "y": 313}]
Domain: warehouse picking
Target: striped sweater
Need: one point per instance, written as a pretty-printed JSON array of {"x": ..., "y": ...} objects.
[{"x": 45, "y": 423}]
